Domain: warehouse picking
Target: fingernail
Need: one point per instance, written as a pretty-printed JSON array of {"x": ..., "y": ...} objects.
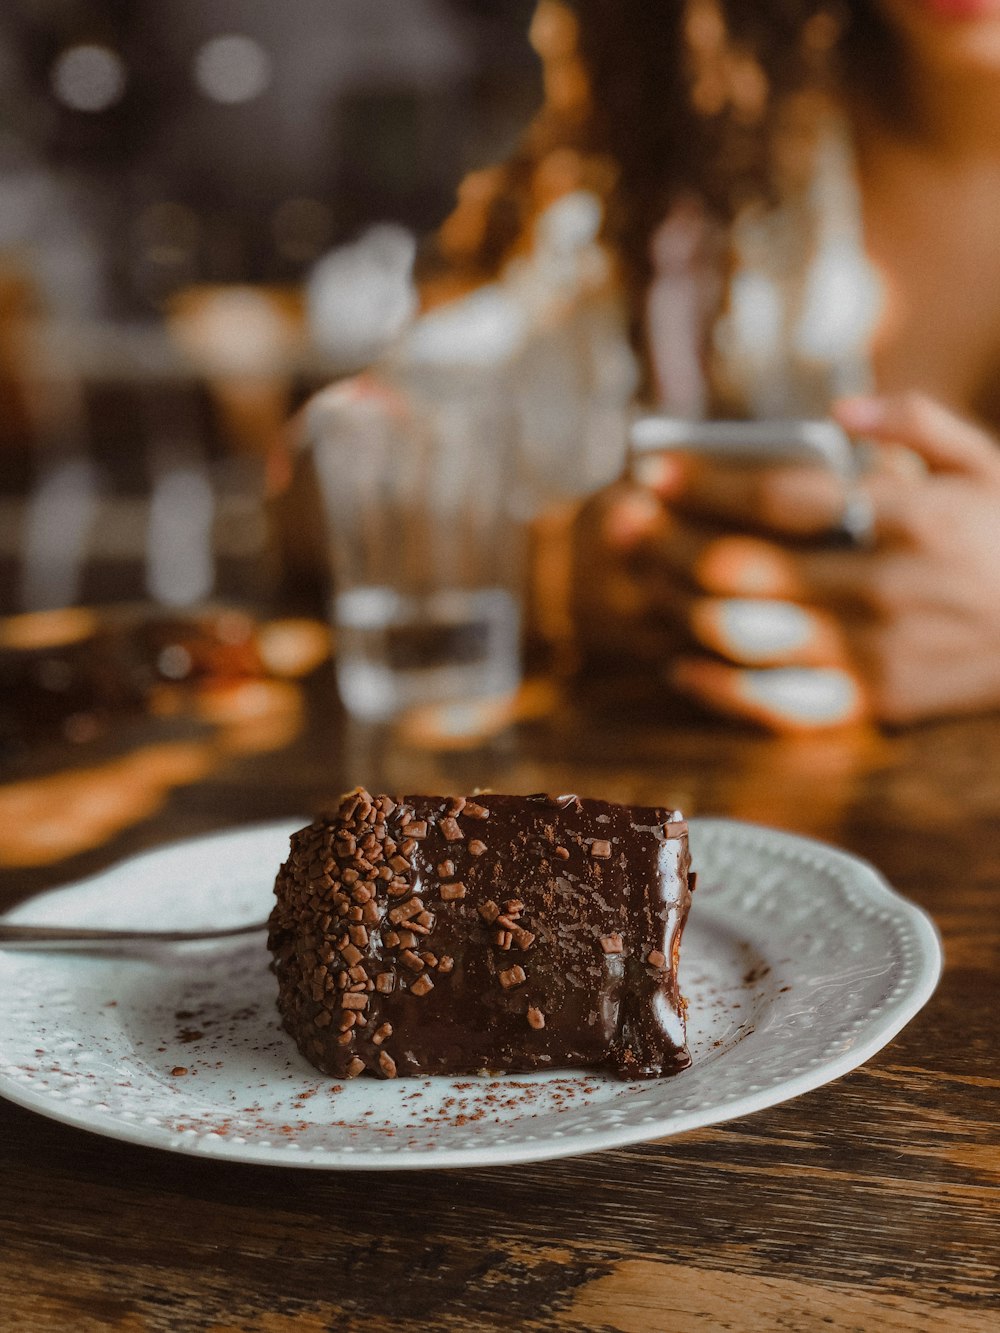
[
  {"x": 759, "y": 630},
  {"x": 815, "y": 696},
  {"x": 662, "y": 473},
  {"x": 859, "y": 414},
  {"x": 629, "y": 521}
]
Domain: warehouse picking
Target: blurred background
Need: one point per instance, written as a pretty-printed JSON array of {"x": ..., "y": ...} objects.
[{"x": 192, "y": 192}]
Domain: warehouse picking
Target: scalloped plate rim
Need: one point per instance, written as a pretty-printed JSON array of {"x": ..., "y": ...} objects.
[{"x": 888, "y": 1023}]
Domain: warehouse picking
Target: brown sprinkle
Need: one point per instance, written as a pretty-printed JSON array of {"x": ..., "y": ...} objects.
[
  {"x": 385, "y": 982},
  {"x": 387, "y": 1064},
  {"x": 347, "y": 1021},
  {"x": 380, "y": 1034},
  {"x": 524, "y": 939},
  {"x": 411, "y": 960},
  {"x": 390, "y": 939},
  {"x": 476, "y": 847},
  {"x": 351, "y": 954},
  {"x": 417, "y": 828},
  {"x": 407, "y": 939},
  {"x": 562, "y": 853},
  {"x": 345, "y": 1038},
  {"x": 600, "y": 847},
  {"x": 354, "y": 1000},
  {"x": 451, "y": 829},
  {"x": 503, "y": 938},
  {"x": 323, "y": 1020},
  {"x": 450, "y": 892},
  {"x": 359, "y": 936},
  {"x": 422, "y": 985},
  {"x": 474, "y": 811},
  {"x": 413, "y": 907},
  {"x": 445, "y": 964},
  {"x": 355, "y": 1067},
  {"x": 536, "y": 1019},
  {"x": 513, "y": 906},
  {"x": 446, "y": 869},
  {"x": 489, "y": 911},
  {"x": 656, "y": 959},
  {"x": 513, "y": 976},
  {"x": 612, "y": 943}
]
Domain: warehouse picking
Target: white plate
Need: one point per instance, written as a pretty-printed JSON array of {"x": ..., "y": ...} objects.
[{"x": 799, "y": 963}]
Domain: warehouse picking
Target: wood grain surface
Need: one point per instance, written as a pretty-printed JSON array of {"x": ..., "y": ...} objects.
[{"x": 872, "y": 1203}]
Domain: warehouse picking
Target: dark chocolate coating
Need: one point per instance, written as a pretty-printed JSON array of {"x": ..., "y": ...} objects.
[{"x": 599, "y": 895}]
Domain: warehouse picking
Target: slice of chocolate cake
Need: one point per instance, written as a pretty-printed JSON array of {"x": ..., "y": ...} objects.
[{"x": 451, "y": 935}]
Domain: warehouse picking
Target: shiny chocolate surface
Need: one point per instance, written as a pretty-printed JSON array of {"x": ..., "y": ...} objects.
[{"x": 451, "y": 935}]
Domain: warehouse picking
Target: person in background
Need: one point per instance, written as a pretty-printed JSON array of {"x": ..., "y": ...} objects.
[{"x": 801, "y": 204}]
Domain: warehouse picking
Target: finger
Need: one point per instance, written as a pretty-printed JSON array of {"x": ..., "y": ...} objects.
[
  {"x": 807, "y": 502},
  {"x": 946, "y": 441},
  {"x": 782, "y": 699},
  {"x": 767, "y": 632},
  {"x": 678, "y": 558},
  {"x": 733, "y": 566},
  {"x": 792, "y": 502},
  {"x": 869, "y": 584},
  {"x": 654, "y": 544},
  {"x": 633, "y": 516},
  {"x": 620, "y": 602}
]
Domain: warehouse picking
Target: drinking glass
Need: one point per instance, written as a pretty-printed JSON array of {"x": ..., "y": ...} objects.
[{"x": 416, "y": 473}]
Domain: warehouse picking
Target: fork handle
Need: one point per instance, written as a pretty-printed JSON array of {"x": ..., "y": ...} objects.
[{"x": 74, "y": 937}]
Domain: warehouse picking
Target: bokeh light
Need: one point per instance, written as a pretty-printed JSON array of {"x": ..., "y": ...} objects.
[
  {"x": 232, "y": 69},
  {"x": 89, "y": 78}
]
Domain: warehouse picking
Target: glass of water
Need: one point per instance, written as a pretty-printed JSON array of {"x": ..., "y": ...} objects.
[{"x": 416, "y": 474}]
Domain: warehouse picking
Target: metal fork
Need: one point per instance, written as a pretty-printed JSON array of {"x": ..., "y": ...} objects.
[{"x": 83, "y": 939}]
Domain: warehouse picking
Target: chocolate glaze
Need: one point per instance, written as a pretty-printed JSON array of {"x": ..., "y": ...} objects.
[{"x": 598, "y": 891}]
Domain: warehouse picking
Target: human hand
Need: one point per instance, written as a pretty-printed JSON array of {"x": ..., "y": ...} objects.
[{"x": 805, "y": 637}]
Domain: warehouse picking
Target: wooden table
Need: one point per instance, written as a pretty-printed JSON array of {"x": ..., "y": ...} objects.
[{"x": 869, "y": 1204}]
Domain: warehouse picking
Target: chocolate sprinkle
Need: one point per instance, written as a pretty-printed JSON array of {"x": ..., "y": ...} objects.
[{"x": 383, "y": 889}]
